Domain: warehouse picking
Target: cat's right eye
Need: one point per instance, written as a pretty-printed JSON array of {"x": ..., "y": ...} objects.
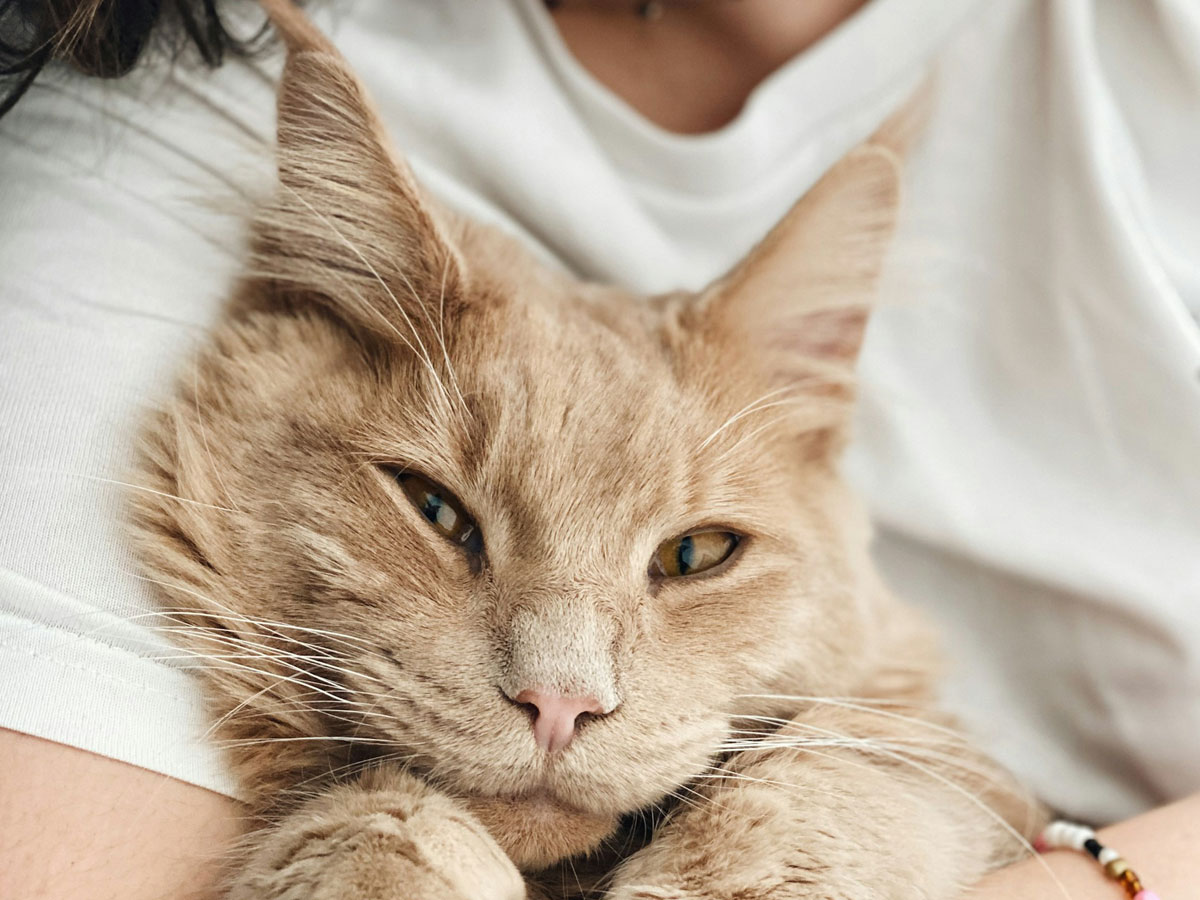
[
  {"x": 691, "y": 554},
  {"x": 442, "y": 510}
]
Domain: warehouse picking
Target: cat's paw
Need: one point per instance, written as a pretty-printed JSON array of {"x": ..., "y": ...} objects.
[
  {"x": 664, "y": 874},
  {"x": 650, "y": 892},
  {"x": 715, "y": 886},
  {"x": 379, "y": 845},
  {"x": 751, "y": 842}
]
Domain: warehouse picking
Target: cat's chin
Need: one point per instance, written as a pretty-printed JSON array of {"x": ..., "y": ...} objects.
[{"x": 537, "y": 830}]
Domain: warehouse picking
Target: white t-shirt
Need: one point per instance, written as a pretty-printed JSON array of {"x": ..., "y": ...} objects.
[{"x": 1030, "y": 428}]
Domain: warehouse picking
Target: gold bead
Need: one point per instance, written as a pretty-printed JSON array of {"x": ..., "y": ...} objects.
[
  {"x": 1130, "y": 882},
  {"x": 1115, "y": 868},
  {"x": 650, "y": 10}
]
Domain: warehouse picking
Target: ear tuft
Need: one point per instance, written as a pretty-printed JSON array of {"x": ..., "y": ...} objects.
[
  {"x": 349, "y": 229},
  {"x": 296, "y": 29}
]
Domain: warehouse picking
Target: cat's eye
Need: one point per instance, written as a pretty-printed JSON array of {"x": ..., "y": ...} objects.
[
  {"x": 690, "y": 554},
  {"x": 442, "y": 510}
]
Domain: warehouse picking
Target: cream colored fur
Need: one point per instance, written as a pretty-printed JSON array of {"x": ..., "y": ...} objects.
[{"x": 356, "y": 661}]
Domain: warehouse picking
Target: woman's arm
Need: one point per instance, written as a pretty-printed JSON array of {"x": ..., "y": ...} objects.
[
  {"x": 1162, "y": 847},
  {"x": 76, "y": 826}
]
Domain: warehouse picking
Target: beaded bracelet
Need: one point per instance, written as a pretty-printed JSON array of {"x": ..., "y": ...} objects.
[{"x": 1080, "y": 837}]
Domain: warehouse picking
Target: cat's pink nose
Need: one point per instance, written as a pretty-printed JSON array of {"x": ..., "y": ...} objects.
[{"x": 555, "y": 716}]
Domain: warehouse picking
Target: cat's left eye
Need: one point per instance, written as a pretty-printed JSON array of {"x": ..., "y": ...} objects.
[
  {"x": 690, "y": 554},
  {"x": 442, "y": 510}
]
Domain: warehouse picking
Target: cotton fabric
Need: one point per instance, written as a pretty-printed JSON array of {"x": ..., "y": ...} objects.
[{"x": 1030, "y": 428}]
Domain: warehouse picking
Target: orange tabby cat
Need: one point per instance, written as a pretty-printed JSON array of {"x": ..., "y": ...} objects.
[{"x": 511, "y": 584}]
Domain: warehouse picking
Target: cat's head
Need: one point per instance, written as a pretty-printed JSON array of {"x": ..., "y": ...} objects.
[{"x": 541, "y": 539}]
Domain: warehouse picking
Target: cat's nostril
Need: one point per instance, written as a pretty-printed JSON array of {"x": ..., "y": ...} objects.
[{"x": 555, "y": 715}]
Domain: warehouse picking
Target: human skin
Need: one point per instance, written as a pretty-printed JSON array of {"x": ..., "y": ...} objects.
[
  {"x": 80, "y": 826},
  {"x": 1160, "y": 845},
  {"x": 692, "y": 69}
]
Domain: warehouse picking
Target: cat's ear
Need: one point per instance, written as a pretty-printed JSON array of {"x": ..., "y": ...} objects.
[
  {"x": 797, "y": 305},
  {"x": 349, "y": 228}
]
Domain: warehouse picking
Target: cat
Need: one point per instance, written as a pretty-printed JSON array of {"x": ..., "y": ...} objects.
[{"x": 511, "y": 585}]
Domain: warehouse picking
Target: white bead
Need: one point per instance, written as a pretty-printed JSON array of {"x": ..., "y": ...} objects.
[
  {"x": 1053, "y": 834},
  {"x": 1107, "y": 855},
  {"x": 1067, "y": 834}
]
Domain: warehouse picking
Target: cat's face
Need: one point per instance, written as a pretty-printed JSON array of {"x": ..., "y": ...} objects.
[{"x": 457, "y": 477}]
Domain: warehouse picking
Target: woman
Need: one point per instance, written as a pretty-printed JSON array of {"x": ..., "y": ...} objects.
[{"x": 1031, "y": 402}]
